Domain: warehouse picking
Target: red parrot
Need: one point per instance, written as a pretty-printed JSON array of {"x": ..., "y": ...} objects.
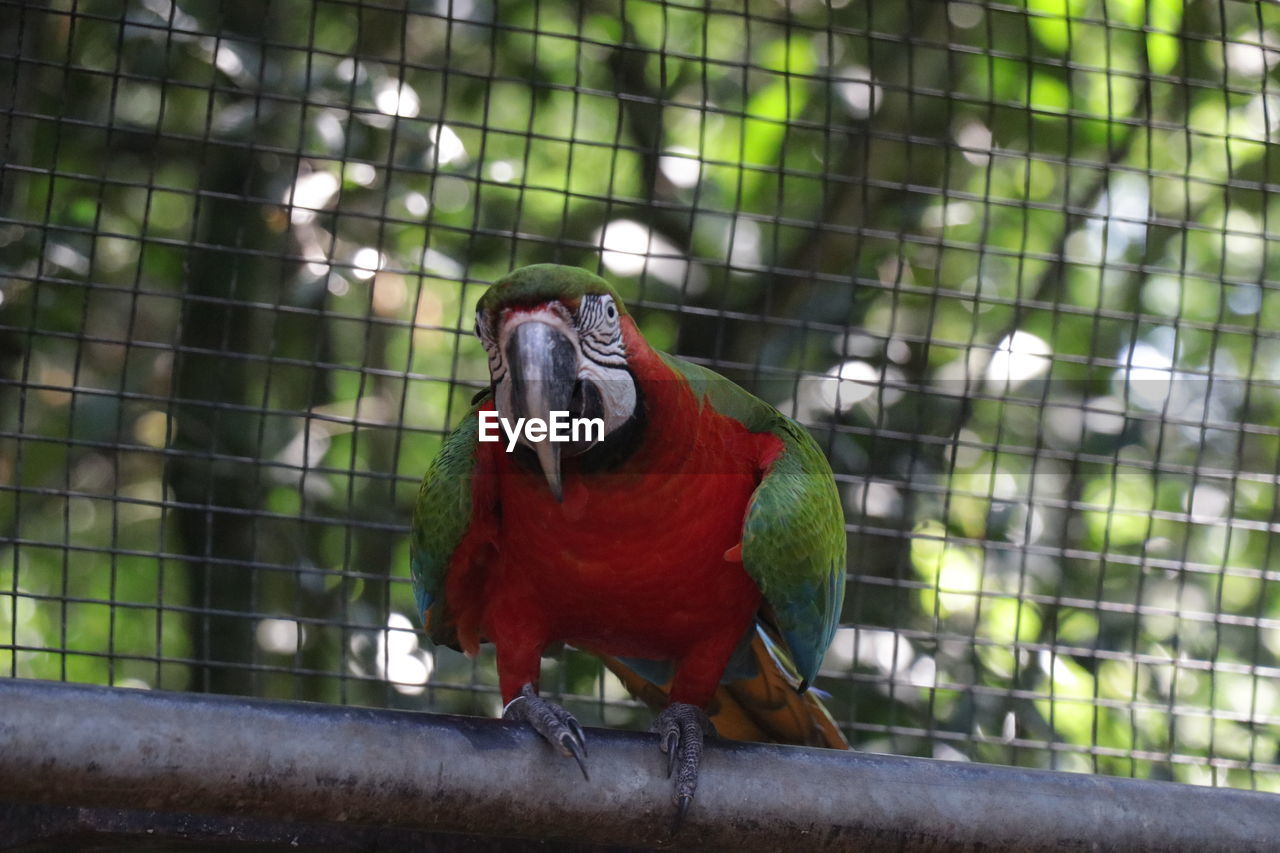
[{"x": 694, "y": 541}]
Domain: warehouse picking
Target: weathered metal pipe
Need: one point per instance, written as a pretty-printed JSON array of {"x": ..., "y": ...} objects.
[{"x": 93, "y": 746}]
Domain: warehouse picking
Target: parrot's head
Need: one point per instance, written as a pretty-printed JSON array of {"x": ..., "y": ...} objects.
[{"x": 554, "y": 337}]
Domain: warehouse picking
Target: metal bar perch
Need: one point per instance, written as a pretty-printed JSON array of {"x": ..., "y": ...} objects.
[{"x": 95, "y": 747}]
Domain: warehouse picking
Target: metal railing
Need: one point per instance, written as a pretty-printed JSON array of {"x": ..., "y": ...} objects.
[{"x": 267, "y": 763}]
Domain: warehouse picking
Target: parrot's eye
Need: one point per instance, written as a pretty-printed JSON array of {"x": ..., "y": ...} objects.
[{"x": 611, "y": 312}]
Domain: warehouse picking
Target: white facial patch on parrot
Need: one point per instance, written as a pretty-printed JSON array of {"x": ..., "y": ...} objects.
[
  {"x": 605, "y": 361},
  {"x": 617, "y": 392}
]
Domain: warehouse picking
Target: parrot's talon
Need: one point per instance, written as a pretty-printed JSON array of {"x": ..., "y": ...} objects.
[
  {"x": 682, "y": 808},
  {"x": 681, "y": 728},
  {"x": 556, "y": 725},
  {"x": 579, "y": 736},
  {"x": 572, "y": 747}
]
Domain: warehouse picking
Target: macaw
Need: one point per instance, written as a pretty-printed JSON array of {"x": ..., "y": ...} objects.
[{"x": 694, "y": 541}]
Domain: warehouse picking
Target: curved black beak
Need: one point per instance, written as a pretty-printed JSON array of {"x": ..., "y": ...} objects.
[{"x": 543, "y": 366}]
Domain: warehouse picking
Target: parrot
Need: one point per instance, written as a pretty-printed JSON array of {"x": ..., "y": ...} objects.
[{"x": 693, "y": 540}]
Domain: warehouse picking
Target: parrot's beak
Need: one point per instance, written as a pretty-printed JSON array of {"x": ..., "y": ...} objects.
[{"x": 543, "y": 364}]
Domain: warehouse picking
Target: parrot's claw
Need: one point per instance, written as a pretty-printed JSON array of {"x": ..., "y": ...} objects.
[
  {"x": 682, "y": 808},
  {"x": 682, "y": 728},
  {"x": 556, "y": 725}
]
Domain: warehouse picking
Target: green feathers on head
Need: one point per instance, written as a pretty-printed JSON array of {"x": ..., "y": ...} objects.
[{"x": 539, "y": 283}]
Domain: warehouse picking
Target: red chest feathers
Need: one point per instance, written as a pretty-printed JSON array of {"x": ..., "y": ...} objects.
[{"x": 630, "y": 562}]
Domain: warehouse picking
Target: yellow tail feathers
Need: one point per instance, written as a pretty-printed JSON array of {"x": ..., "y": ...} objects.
[{"x": 764, "y": 708}]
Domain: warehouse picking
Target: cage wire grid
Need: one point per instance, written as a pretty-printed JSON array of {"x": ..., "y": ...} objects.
[{"x": 1013, "y": 265}]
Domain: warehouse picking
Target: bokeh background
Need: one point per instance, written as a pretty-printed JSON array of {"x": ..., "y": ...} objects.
[{"x": 1014, "y": 264}]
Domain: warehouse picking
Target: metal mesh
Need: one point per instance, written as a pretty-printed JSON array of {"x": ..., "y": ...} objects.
[{"x": 1013, "y": 265}]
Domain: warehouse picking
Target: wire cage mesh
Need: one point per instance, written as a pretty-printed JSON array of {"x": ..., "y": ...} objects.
[{"x": 1013, "y": 265}]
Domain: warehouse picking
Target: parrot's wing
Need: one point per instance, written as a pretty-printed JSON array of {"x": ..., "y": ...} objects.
[
  {"x": 793, "y": 542},
  {"x": 793, "y": 546},
  {"x": 450, "y": 523}
]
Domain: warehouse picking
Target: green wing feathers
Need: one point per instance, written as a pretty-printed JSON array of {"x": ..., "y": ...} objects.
[
  {"x": 441, "y": 518},
  {"x": 793, "y": 546},
  {"x": 793, "y": 542}
]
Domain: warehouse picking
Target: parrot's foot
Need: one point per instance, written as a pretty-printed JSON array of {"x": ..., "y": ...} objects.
[
  {"x": 556, "y": 725},
  {"x": 681, "y": 728}
]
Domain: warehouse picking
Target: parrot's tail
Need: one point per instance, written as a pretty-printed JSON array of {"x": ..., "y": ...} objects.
[{"x": 764, "y": 708}]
